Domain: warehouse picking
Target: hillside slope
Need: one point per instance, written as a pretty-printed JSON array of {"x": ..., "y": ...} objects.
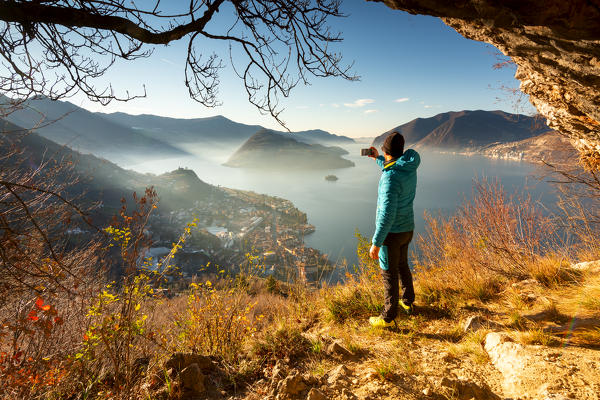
[
  {"x": 87, "y": 132},
  {"x": 94, "y": 178}
]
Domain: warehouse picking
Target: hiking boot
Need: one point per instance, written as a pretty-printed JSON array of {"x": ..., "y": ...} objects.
[
  {"x": 379, "y": 322},
  {"x": 407, "y": 308}
]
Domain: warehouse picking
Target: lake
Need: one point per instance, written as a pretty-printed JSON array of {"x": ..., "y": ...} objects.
[{"x": 338, "y": 208}]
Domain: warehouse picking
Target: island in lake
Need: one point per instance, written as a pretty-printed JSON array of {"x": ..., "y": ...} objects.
[{"x": 267, "y": 149}]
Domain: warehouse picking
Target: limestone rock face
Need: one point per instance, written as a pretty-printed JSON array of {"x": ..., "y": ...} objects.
[
  {"x": 509, "y": 358},
  {"x": 556, "y": 46}
]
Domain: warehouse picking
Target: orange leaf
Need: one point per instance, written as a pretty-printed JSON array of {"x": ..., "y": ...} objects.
[
  {"x": 85, "y": 337},
  {"x": 39, "y": 302},
  {"x": 33, "y": 315},
  {"x": 45, "y": 307}
]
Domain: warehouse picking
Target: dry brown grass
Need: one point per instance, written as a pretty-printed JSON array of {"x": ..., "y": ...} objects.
[
  {"x": 470, "y": 345},
  {"x": 553, "y": 270},
  {"x": 361, "y": 295},
  {"x": 493, "y": 241},
  {"x": 588, "y": 296},
  {"x": 538, "y": 336}
]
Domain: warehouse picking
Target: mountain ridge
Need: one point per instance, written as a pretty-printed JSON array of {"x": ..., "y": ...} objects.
[
  {"x": 466, "y": 129},
  {"x": 127, "y": 139},
  {"x": 190, "y": 130}
]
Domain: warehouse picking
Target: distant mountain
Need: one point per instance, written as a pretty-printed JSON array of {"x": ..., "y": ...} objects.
[
  {"x": 271, "y": 150},
  {"x": 216, "y": 129},
  {"x": 467, "y": 130},
  {"x": 97, "y": 179},
  {"x": 87, "y": 132},
  {"x": 414, "y": 130},
  {"x": 185, "y": 131}
]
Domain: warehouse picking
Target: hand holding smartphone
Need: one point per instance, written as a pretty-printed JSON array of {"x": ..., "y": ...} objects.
[
  {"x": 370, "y": 152},
  {"x": 366, "y": 152}
]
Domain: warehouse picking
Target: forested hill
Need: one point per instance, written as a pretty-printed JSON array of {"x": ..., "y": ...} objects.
[{"x": 271, "y": 150}]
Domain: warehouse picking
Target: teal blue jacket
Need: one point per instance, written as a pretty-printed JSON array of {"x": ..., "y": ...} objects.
[{"x": 395, "y": 195}]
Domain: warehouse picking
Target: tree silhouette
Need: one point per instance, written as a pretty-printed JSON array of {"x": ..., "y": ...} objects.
[{"x": 57, "y": 48}]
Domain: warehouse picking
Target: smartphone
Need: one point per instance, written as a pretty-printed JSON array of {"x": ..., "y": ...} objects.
[{"x": 366, "y": 152}]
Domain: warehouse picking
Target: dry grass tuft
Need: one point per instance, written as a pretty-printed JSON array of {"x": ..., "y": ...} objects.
[
  {"x": 450, "y": 286},
  {"x": 539, "y": 337},
  {"x": 361, "y": 295},
  {"x": 472, "y": 346},
  {"x": 283, "y": 342},
  {"x": 552, "y": 313},
  {"x": 583, "y": 299},
  {"x": 589, "y": 337},
  {"x": 552, "y": 271},
  {"x": 517, "y": 321},
  {"x": 353, "y": 300},
  {"x": 589, "y": 296}
]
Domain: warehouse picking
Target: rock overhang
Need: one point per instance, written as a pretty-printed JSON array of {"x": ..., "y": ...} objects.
[{"x": 556, "y": 47}]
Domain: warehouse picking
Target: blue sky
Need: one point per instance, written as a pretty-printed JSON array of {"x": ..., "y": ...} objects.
[{"x": 410, "y": 66}]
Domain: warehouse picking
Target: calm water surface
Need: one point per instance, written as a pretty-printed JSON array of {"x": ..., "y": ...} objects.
[{"x": 338, "y": 208}]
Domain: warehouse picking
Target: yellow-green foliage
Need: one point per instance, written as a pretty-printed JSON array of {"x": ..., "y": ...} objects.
[
  {"x": 368, "y": 269},
  {"x": 215, "y": 321},
  {"x": 116, "y": 327}
]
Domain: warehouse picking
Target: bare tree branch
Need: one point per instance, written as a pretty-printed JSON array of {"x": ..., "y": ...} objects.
[{"x": 58, "y": 48}]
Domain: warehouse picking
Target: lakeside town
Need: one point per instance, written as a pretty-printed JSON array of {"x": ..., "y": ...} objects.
[{"x": 237, "y": 230}]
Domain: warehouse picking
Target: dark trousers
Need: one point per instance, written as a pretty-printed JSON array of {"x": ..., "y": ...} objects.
[{"x": 395, "y": 255}]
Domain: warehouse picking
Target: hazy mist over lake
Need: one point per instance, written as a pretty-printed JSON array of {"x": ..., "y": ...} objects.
[{"x": 338, "y": 208}]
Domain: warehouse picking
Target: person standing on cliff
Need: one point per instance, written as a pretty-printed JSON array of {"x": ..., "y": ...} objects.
[{"x": 394, "y": 225}]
